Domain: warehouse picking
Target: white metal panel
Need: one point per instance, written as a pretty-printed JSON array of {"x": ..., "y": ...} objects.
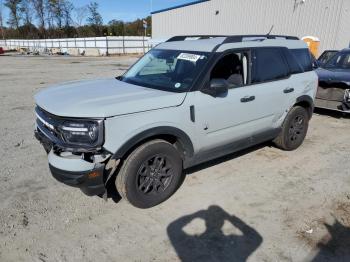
[
  {"x": 343, "y": 34},
  {"x": 328, "y": 20}
]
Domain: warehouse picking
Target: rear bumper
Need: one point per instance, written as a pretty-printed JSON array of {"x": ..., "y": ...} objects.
[{"x": 90, "y": 182}]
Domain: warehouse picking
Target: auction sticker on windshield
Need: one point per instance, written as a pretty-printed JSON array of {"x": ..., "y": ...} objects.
[{"x": 189, "y": 57}]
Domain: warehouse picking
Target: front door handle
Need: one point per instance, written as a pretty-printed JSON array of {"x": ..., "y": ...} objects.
[
  {"x": 288, "y": 90},
  {"x": 247, "y": 99}
]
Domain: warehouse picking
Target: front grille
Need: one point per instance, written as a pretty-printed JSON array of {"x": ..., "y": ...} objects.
[{"x": 48, "y": 124}]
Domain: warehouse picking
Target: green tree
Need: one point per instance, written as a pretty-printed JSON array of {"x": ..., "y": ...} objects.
[{"x": 116, "y": 27}]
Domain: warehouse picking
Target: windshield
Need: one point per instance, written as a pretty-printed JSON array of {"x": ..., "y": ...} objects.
[
  {"x": 341, "y": 61},
  {"x": 169, "y": 70},
  {"x": 326, "y": 56}
]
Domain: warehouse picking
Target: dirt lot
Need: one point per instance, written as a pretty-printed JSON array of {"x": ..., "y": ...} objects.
[{"x": 260, "y": 205}]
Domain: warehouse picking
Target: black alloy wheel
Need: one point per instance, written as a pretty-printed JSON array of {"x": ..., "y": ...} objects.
[
  {"x": 154, "y": 175},
  {"x": 150, "y": 174},
  {"x": 294, "y": 129}
]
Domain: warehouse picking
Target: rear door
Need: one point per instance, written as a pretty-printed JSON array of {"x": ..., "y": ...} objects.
[
  {"x": 303, "y": 82},
  {"x": 273, "y": 86}
]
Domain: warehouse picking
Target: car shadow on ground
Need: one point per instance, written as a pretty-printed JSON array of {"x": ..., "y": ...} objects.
[
  {"x": 212, "y": 244},
  {"x": 115, "y": 196},
  {"x": 331, "y": 113},
  {"x": 335, "y": 246},
  {"x": 226, "y": 158}
]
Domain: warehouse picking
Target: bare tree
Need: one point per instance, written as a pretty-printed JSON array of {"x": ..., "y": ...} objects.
[
  {"x": 14, "y": 7},
  {"x": 39, "y": 7},
  {"x": 68, "y": 7},
  {"x": 95, "y": 18},
  {"x": 80, "y": 15},
  {"x": 2, "y": 21},
  {"x": 26, "y": 11},
  {"x": 55, "y": 9}
]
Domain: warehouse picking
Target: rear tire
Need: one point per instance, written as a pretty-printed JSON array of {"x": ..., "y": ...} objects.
[
  {"x": 150, "y": 174},
  {"x": 294, "y": 129}
]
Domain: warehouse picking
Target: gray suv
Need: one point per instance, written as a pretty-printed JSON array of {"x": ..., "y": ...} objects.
[{"x": 188, "y": 100}]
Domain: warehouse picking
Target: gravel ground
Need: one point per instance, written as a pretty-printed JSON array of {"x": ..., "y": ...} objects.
[{"x": 262, "y": 204}]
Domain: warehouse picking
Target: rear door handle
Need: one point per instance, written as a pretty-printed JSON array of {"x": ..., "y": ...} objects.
[
  {"x": 247, "y": 99},
  {"x": 288, "y": 90}
]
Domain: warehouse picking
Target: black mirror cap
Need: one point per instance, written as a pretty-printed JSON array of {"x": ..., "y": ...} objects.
[
  {"x": 316, "y": 64},
  {"x": 216, "y": 87},
  {"x": 219, "y": 86}
]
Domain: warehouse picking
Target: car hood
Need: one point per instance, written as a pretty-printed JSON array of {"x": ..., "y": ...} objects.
[
  {"x": 103, "y": 98},
  {"x": 334, "y": 75}
]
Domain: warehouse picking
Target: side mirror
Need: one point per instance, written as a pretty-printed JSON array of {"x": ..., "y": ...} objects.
[
  {"x": 316, "y": 64},
  {"x": 217, "y": 87}
]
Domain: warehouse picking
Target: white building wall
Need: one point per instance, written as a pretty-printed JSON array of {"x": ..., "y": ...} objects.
[{"x": 329, "y": 20}]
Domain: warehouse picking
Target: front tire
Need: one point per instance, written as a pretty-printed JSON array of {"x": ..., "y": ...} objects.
[
  {"x": 150, "y": 174},
  {"x": 294, "y": 129}
]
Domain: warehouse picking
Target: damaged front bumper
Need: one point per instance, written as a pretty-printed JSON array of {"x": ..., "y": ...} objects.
[
  {"x": 76, "y": 172},
  {"x": 89, "y": 172}
]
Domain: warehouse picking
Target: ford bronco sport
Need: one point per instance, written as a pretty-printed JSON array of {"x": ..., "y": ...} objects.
[{"x": 188, "y": 100}]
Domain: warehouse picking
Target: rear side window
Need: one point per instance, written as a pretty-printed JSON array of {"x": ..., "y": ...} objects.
[
  {"x": 294, "y": 65},
  {"x": 268, "y": 65},
  {"x": 303, "y": 56}
]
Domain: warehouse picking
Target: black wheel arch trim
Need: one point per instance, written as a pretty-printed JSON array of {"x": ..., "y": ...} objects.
[
  {"x": 308, "y": 100},
  {"x": 155, "y": 132}
]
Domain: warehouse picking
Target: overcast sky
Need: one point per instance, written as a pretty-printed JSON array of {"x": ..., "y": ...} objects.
[{"x": 126, "y": 10}]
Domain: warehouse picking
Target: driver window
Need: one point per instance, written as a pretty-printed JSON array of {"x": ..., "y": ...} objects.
[{"x": 233, "y": 68}]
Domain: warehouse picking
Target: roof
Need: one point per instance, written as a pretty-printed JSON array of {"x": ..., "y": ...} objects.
[
  {"x": 179, "y": 6},
  {"x": 222, "y": 43}
]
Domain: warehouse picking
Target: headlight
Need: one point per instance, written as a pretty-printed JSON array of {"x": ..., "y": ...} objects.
[{"x": 89, "y": 133}]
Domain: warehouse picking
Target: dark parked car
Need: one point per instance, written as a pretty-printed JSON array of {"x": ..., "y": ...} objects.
[
  {"x": 326, "y": 56},
  {"x": 1, "y": 51},
  {"x": 334, "y": 83}
]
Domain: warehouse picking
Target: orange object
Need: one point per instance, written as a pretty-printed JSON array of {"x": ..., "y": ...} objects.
[
  {"x": 313, "y": 43},
  {"x": 93, "y": 175}
]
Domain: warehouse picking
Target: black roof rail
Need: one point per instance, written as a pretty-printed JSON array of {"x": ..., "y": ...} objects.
[
  {"x": 240, "y": 38},
  {"x": 231, "y": 38},
  {"x": 183, "y": 37}
]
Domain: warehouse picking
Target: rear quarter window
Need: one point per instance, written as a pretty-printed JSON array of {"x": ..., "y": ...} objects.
[
  {"x": 303, "y": 56},
  {"x": 294, "y": 66}
]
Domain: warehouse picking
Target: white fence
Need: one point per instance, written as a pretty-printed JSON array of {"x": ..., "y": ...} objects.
[{"x": 75, "y": 46}]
